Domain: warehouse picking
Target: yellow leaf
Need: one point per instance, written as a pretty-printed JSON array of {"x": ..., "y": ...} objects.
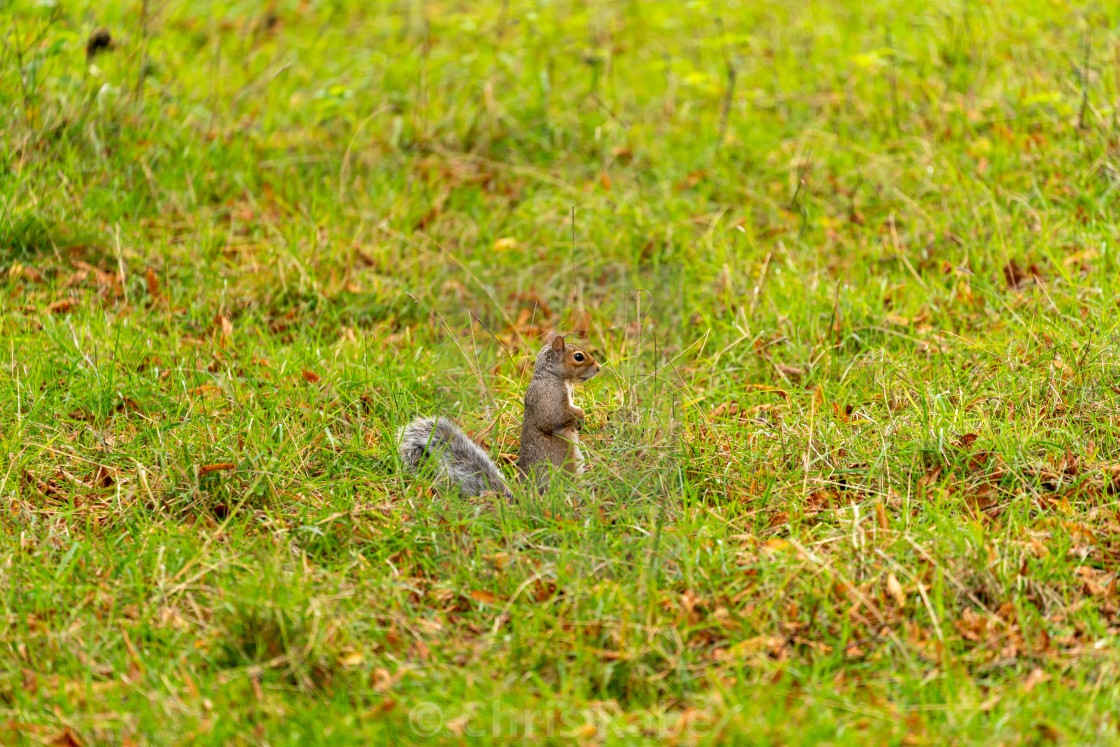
[
  {"x": 895, "y": 589},
  {"x": 587, "y": 731},
  {"x": 507, "y": 242},
  {"x": 350, "y": 659}
]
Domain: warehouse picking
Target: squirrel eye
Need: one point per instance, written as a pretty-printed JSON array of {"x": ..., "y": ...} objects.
[{"x": 578, "y": 357}]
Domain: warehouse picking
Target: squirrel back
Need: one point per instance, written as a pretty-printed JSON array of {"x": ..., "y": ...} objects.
[
  {"x": 550, "y": 430},
  {"x": 456, "y": 457}
]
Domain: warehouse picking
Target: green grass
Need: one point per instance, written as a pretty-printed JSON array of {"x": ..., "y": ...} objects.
[{"x": 854, "y": 451}]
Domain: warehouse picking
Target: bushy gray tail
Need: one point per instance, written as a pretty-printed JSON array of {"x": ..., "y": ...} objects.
[{"x": 455, "y": 456}]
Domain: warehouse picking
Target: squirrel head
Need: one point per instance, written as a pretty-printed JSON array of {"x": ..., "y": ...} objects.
[{"x": 565, "y": 361}]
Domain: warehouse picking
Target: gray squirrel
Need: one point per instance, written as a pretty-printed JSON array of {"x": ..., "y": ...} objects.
[{"x": 549, "y": 430}]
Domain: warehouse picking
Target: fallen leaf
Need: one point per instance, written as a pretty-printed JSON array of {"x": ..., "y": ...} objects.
[
  {"x": 103, "y": 477},
  {"x": 208, "y": 468},
  {"x": 881, "y": 515},
  {"x": 383, "y": 681},
  {"x": 104, "y": 277},
  {"x": 1047, "y": 733},
  {"x": 129, "y": 405},
  {"x": 485, "y": 597},
  {"x": 223, "y": 325},
  {"x": 311, "y": 377},
  {"x": 894, "y": 588},
  {"x": 544, "y": 591},
  {"x": 153, "y": 283},
  {"x": 499, "y": 559},
  {"x": 26, "y": 271},
  {"x": 62, "y": 306},
  {"x": 1016, "y": 277},
  {"x": 587, "y": 731},
  {"x": 692, "y": 180},
  {"x": 135, "y": 667},
  {"x": 66, "y": 738},
  {"x": 1036, "y": 677},
  {"x": 790, "y": 372},
  {"x": 504, "y": 243},
  {"x": 30, "y": 680},
  {"x": 966, "y": 440},
  {"x": 350, "y": 659}
]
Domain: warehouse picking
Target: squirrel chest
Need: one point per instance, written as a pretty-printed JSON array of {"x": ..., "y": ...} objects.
[{"x": 572, "y": 459}]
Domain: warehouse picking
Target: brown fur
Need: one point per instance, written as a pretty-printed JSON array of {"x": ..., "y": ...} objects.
[{"x": 550, "y": 430}]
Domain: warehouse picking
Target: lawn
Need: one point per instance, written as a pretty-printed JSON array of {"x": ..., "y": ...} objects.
[{"x": 852, "y": 272}]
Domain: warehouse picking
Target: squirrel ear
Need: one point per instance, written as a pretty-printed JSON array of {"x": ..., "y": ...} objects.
[{"x": 556, "y": 341}]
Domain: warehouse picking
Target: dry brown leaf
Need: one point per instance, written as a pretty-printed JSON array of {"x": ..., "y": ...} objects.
[
  {"x": 66, "y": 738},
  {"x": 135, "y": 667},
  {"x": 383, "y": 681},
  {"x": 63, "y": 306},
  {"x": 486, "y": 597},
  {"x": 103, "y": 477},
  {"x": 153, "y": 283},
  {"x": 129, "y": 405},
  {"x": 311, "y": 377},
  {"x": 258, "y": 691},
  {"x": 966, "y": 440},
  {"x": 499, "y": 559},
  {"x": 790, "y": 372},
  {"x": 1016, "y": 277},
  {"x": 206, "y": 469},
  {"x": 104, "y": 277},
  {"x": 26, "y": 271},
  {"x": 544, "y": 591},
  {"x": 223, "y": 326},
  {"x": 692, "y": 180},
  {"x": 1036, "y": 677}
]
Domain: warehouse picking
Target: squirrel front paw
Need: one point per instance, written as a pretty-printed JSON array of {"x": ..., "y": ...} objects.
[{"x": 578, "y": 416}]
